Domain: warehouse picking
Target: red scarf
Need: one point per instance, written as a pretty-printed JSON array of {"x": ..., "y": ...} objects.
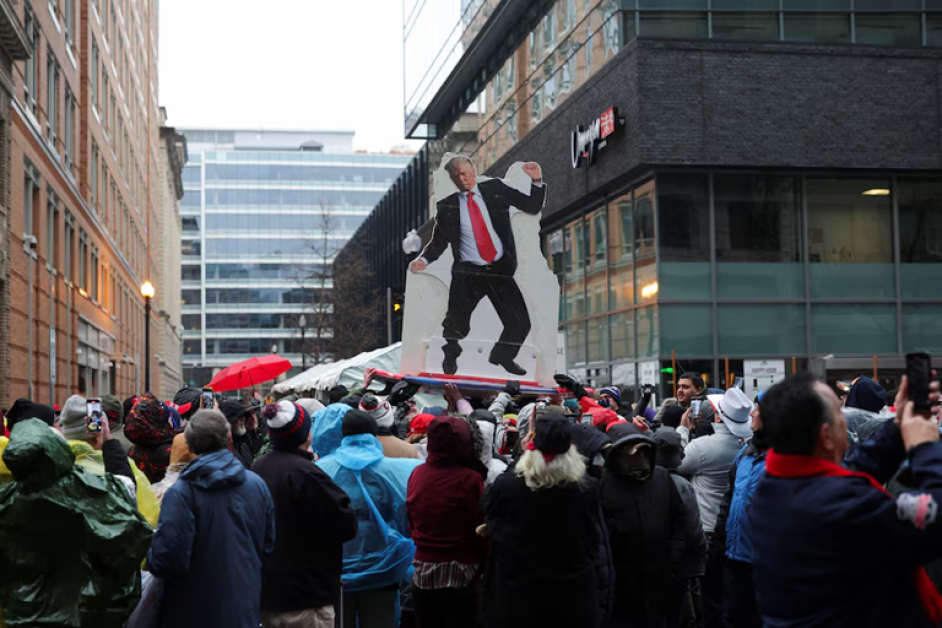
[{"x": 787, "y": 466}]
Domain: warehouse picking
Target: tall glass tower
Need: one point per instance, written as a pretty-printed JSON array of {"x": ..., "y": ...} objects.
[{"x": 263, "y": 213}]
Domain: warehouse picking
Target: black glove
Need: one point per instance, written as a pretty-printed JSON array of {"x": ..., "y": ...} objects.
[
  {"x": 402, "y": 391},
  {"x": 572, "y": 385},
  {"x": 647, "y": 389},
  {"x": 512, "y": 388}
]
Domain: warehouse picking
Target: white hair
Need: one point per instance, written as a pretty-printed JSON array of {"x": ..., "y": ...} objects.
[
  {"x": 458, "y": 159},
  {"x": 567, "y": 468}
]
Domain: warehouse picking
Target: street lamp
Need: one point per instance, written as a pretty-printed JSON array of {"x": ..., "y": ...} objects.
[
  {"x": 148, "y": 292},
  {"x": 302, "y": 323}
]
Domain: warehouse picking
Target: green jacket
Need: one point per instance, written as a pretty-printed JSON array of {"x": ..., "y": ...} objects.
[{"x": 71, "y": 542}]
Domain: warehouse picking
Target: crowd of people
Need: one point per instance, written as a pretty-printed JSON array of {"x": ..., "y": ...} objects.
[{"x": 711, "y": 509}]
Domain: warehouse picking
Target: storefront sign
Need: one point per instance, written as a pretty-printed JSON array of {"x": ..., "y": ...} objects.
[
  {"x": 761, "y": 375},
  {"x": 585, "y": 142}
]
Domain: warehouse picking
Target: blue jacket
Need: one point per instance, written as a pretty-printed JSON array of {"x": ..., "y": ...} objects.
[
  {"x": 831, "y": 550},
  {"x": 216, "y": 523},
  {"x": 326, "y": 429},
  {"x": 743, "y": 479},
  {"x": 381, "y": 553}
]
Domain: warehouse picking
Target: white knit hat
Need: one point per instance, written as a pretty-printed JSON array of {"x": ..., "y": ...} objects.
[{"x": 379, "y": 409}]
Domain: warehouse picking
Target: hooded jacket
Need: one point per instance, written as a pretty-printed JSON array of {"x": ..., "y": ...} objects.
[
  {"x": 381, "y": 553},
  {"x": 733, "y": 527},
  {"x": 669, "y": 455},
  {"x": 216, "y": 523},
  {"x": 444, "y": 496},
  {"x": 314, "y": 520},
  {"x": 71, "y": 542},
  {"x": 645, "y": 520},
  {"x": 326, "y": 429},
  {"x": 149, "y": 430},
  {"x": 867, "y": 395}
]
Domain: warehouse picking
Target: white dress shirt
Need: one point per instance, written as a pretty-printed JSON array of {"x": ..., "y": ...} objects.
[{"x": 468, "y": 249}]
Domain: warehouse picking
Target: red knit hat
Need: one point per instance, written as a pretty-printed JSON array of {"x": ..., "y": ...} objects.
[{"x": 419, "y": 424}]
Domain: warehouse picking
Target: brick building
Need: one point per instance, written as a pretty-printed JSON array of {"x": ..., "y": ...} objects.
[
  {"x": 750, "y": 186},
  {"x": 84, "y": 156}
]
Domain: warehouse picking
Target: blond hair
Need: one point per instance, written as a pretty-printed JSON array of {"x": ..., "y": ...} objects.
[
  {"x": 456, "y": 160},
  {"x": 567, "y": 468}
]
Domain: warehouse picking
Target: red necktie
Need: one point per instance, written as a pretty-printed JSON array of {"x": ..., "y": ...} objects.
[{"x": 481, "y": 235}]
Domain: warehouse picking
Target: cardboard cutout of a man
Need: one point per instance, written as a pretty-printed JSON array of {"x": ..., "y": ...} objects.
[{"x": 475, "y": 222}]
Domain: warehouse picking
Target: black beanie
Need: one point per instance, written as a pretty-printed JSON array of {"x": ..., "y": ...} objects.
[
  {"x": 337, "y": 393},
  {"x": 24, "y": 409},
  {"x": 358, "y": 422},
  {"x": 552, "y": 434},
  {"x": 672, "y": 416}
]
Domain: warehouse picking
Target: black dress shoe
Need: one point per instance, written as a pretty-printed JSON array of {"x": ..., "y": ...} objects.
[
  {"x": 450, "y": 365},
  {"x": 510, "y": 366}
]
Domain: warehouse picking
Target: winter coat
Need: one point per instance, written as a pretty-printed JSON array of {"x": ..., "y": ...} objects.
[
  {"x": 313, "y": 519},
  {"x": 152, "y": 436},
  {"x": 216, "y": 523},
  {"x": 645, "y": 524},
  {"x": 381, "y": 553},
  {"x": 326, "y": 429},
  {"x": 862, "y": 425},
  {"x": 444, "y": 497},
  {"x": 394, "y": 447},
  {"x": 71, "y": 542},
  {"x": 865, "y": 547},
  {"x": 669, "y": 455},
  {"x": 706, "y": 464},
  {"x": 93, "y": 461},
  {"x": 544, "y": 559},
  {"x": 242, "y": 450},
  {"x": 867, "y": 395},
  {"x": 734, "y": 528},
  {"x": 591, "y": 442}
]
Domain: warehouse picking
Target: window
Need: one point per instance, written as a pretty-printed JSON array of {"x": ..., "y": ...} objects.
[
  {"x": 83, "y": 260},
  {"x": 96, "y": 270},
  {"x": 189, "y": 272},
  {"x": 621, "y": 265},
  {"x": 594, "y": 262},
  {"x": 69, "y": 129},
  {"x": 192, "y": 322},
  {"x": 30, "y": 79},
  {"x": 853, "y": 329},
  {"x": 920, "y": 226},
  {"x": 922, "y": 328},
  {"x": 683, "y": 209},
  {"x": 94, "y": 71},
  {"x": 758, "y": 247},
  {"x": 645, "y": 267},
  {"x": 674, "y": 24},
  {"x": 68, "y": 10},
  {"x": 67, "y": 264},
  {"x": 192, "y": 347},
  {"x": 52, "y": 220},
  {"x": 888, "y": 29},
  {"x": 52, "y": 97},
  {"x": 622, "y": 330},
  {"x": 30, "y": 200},
  {"x": 825, "y": 28},
  {"x": 747, "y": 330},
  {"x": 850, "y": 238},
  {"x": 751, "y": 26},
  {"x": 688, "y": 329},
  {"x": 93, "y": 181},
  {"x": 574, "y": 288}
]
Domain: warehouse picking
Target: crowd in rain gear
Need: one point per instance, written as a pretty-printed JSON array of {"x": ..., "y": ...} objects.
[{"x": 148, "y": 428}]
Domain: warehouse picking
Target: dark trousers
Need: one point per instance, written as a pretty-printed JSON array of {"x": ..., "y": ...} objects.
[
  {"x": 711, "y": 585},
  {"x": 445, "y": 608},
  {"x": 739, "y": 596},
  {"x": 470, "y": 284},
  {"x": 682, "y": 613}
]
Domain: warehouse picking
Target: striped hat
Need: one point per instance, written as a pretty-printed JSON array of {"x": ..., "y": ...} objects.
[{"x": 288, "y": 424}]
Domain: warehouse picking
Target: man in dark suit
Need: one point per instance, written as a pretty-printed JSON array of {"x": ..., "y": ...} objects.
[{"x": 475, "y": 222}]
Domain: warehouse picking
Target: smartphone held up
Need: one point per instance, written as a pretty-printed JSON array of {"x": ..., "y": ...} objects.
[
  {"x": 93, "y": 415},
  {"x": 919, "y": 376}
]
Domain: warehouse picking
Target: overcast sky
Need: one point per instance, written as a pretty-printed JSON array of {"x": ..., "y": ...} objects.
[{"x": 297, "y": 64}]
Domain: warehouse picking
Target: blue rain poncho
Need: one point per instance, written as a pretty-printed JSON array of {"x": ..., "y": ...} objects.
[
  {"x": 381, "y": 553},
  {"x": 326, "y": 429}
]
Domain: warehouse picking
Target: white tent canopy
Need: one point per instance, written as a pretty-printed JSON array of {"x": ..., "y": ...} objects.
[{"x": 349, "y": 372}]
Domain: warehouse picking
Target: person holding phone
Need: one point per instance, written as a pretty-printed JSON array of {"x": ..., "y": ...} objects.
[{"x": 830, "y": 545}]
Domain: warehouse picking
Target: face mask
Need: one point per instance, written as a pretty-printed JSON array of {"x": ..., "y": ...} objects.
[
  {"x": 760, "y": 438},
  {"x": 605, "y": 402}
]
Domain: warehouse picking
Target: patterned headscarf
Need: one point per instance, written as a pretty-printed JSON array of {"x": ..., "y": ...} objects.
[{"x": 149, "y": 429}]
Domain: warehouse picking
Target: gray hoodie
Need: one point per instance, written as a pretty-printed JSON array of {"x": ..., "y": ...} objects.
[{"x": 707, "y": 461}]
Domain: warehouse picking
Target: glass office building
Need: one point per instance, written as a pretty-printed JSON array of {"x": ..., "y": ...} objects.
[
  {"x": 264, "y": 213},
  {"x": 769, "y": 193}
]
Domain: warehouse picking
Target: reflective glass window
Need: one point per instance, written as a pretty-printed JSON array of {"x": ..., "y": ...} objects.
[
  {"x": 670, "y": 24},
  {"x": 934, "y": 29},
  {"x": 850, "y": 238},
  {"x": 853, "y": 329},
  {"x": 622, "y": 330},
  {"x": 816, "y": 5},
  {"x": 574, "y": 243},
  {"x": 673, "y": 4},
  {"x": 755, "y": 330},
  {"x": 687, "y": 329},
  {"x": 597, "y": 339},
  {"x": 190, "y": 247},
  {"x": 751, "y": 26},
  {"x": 758, "y": 247},
  {"x": 887, "y": 5},
  {"x": 596, "y": 263},
  {"x": 620, "y": 238},
  {"x": 191, "y": 322},
  {"x": 192, "y": 347},
  {"x": 645, "y": 245},
  {"x": 825, "y": 28},
  {"x": 683, "y": 209},
  {"x": 190, "y": 224},
  {"x": 920, "y": 226},
  {"x": 554, "y": 254},
  {"x": 190, "y": 297},
  {"x": 751, "y": 5},
  {"x": 646, "y": 324},
  {"x": 575, "y": 345},
  {"x": 888, "y": 29},
  {"x": 922, "y": 328},
  {"x": 189, "y": 272}
]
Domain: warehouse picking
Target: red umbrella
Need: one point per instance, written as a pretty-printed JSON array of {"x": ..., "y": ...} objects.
[{"x": 249, "y": 372}]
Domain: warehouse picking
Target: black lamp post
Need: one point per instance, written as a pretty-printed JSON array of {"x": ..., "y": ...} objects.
[
  {"x": 148, "y": 292},
  {"x": 302, "y": 323}
]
